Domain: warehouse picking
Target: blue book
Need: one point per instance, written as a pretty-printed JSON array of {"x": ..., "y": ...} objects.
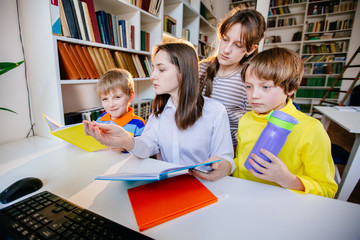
[
  {"x": 123, "y": 32},
  {"x": 166, "y": 173},
  {"x": 103, "y": 17}
]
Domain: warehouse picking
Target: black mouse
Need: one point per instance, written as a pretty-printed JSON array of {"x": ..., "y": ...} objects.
[{"x": 20, "y": 188}]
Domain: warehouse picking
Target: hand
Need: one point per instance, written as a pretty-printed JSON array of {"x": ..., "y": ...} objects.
[
  {"x": 118, "y": 150},
  {"x": 221, "y": 169},
  {"x": 109, "y": 134},
  {"x": 275, "y": 171}
]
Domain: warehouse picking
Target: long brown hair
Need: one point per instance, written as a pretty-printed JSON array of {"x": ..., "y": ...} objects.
[
  {"x": 253, "y": 28},
  {"x": 191, "y": 102}
]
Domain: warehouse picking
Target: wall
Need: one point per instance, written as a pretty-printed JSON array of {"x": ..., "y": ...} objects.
[{"x": 13, "y": 91}]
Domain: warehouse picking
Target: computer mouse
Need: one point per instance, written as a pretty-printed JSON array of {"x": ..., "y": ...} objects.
[{"x": 20, "y": 188}]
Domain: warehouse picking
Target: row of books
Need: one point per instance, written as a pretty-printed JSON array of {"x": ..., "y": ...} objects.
[
  {"x": 204, "y": 49},
  {"x": 275, "y": 3},
  {"x": 323, "y": 68},
  {"x": 273, "y": 39},
  {"x": 243, "y": 5},
  {"x": 323, "y": 58},
  {"x": 151, "y": 6},
  {"x": 142, "y": 108},
  {"x": 335, "y": 47},
  {"x": 297, "y": 36},
  {"x": 79, "y": 20},
  {"x": 282, "y": 22},
  {"x": 315, "y": 93},
  {"x": 319, "y": 81},
  {"x": 305, "y": 108},
  {"x": 330, "y": 7},
  {"x": 329, "y": 26},
  {"x": 85, "y": 62},
  {"x": 78, "y": 117},
  {"x": 279, "y": 10},
  {"x": 169, "y": 25}
]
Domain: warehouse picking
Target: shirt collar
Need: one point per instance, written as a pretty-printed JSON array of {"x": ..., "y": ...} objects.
[
  {"x": 123, "y": 120},
  {"x": 289, "y": 108}
]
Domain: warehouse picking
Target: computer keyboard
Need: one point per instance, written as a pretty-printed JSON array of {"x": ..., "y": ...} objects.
[{"x": 47, "y": 216}]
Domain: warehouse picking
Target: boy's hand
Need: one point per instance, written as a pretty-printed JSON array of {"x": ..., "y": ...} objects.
[
  {"x": 275, "y": 171},
  {"x": 109, "y": 134},
  {"x": 221, "y": 169}
]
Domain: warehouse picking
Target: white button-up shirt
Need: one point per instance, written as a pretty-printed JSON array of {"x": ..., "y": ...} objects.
[{"x": 209, "y": 136}]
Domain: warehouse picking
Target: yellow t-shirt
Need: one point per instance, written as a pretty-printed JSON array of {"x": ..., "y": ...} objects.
[{"x": 306, "y": 153}]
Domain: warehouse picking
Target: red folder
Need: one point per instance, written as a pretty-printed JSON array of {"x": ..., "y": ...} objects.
[{"x": 161, "y": 201}]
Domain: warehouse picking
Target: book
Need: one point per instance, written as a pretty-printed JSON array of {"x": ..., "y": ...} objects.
[
  {"x": 166, "y": 173},
  {"x": 161, "y": 201},
  {"x": 78, "y": 61},
  {"x": 94, "y": 59},
  {"x": 55, "y": 17},
  {"x": 90, "y": 62},
  {"x": 88, "y": 22},
  {"x": 67, "y": 68},
  {"x": 71, "y": 18},
  {"x": 64, "y": 25},
  {"x": 74, "y": 134},
  {"x": 99, "y": 60},
  {"x": 79, "y": 19},
  {"x": 94, "y": 23},
  {"x": 85, "y": 62}
]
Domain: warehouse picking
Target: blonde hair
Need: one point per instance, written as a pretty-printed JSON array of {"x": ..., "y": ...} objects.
[
  {"x": 281, "y": 65},
  {"x": 114, "y": 79}
]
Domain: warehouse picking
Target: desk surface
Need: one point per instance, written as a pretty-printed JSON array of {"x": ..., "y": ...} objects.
[
  {"x": 245, "y": 210},
  {"x": 348, "y": 120}
]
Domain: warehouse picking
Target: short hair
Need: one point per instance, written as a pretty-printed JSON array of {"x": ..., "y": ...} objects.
[
  {"x": 183, "y": 56},
  {"x": 281, "y": 65},
  {"x": 114, "y": 79}
]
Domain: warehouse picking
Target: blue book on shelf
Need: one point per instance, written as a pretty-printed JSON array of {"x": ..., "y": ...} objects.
[
  {"x": 103, "y": 17},
  {"x": 123, "y": 32}
]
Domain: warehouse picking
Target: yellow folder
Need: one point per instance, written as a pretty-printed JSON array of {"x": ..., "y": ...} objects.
[{"x": 74, "y": 134}]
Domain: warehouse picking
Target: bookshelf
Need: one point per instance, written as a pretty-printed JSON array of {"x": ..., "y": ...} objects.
[
  {"x": 77, "y": 95},
  {"x": 194, "y": 22},
  {"x": 243, "y": 4},
  {"x": 320, "y": 31}
]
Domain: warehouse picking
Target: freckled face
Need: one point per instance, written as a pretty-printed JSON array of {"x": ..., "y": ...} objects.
[{"x": 115, "y": 103}]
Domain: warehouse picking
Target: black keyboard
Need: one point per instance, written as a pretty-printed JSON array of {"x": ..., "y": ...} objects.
[{"x": 47, "y": 216}]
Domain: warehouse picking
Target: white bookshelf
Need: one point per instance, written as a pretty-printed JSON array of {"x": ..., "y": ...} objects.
[
  {"x": 317, "y": 76},
  {"x": 188, "y": 16}
]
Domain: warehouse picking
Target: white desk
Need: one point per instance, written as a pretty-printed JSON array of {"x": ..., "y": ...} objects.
[
  {"x": 245, "y": 210},
  {"x": 350, "y": 121}
]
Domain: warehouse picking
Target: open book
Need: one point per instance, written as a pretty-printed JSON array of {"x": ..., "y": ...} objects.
[
  {"x": 130, "y": 176},
  {"x": 74, "y": 134}
]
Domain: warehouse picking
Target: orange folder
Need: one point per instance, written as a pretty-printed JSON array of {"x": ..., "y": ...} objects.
[{"x": 161, "y": 201}]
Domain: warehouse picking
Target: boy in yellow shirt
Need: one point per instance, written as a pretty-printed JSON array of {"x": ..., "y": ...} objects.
[{"x": 304, "y": 164}]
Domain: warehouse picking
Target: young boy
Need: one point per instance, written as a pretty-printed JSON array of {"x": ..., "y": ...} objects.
[
  {"x": 305, "y": 163},
  {"x": 116, "y": 91}
]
